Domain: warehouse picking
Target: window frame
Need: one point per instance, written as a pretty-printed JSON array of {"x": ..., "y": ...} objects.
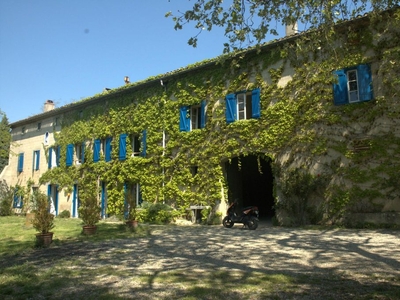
[{"x": 36, "y": 160}]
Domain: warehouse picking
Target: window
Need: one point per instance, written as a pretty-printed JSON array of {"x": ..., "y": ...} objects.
[
  {"x": 36, "y": 160},
  {"x": 353, "y": 85},
  {"x": 23, "y": 130},
  {"x": 192, "y": 117},
  {"x": 135, "y": 144},
  {"x": 242, "y": 106},
  {"x": 56, "y": 121},
  {"x": 79, "y": 153},
  {"x": 39, "y": 125},
  {"x": 102, "y": 146},
  {"x": 54, "y": 157},
  {"x": 194, "y": 170},
  {"x": 20, "y": 167},
  {"x": 133, "y": 189},
  {"x": 18, "y": 200}
]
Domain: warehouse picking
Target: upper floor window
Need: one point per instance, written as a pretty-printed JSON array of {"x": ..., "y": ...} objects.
[
  {"x": 353, "y": 85},
  {"x": 242, "y": 106},
  {"x": 192, "y": 117},
  {"x": 20, "y": 167},
  {"x": 36, "y": 160},
  {"x": 23, "y": 130},
  {"x": 136, "y": 144},
  {"x": 79, "y": 153},
  {"x": 39, "y": 126},
  {"x": 102, "y": 146},
  {"x": 54, "y": 157}
]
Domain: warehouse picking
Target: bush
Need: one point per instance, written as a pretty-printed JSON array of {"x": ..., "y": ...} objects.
[
  {"x": 6, "y": 199},
  {"x": 64, "y": 214},
  {"x": 157, "y": 213}
]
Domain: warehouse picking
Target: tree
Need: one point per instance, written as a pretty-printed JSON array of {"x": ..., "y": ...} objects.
[
  {"x": 5, "y": 139},
  {"x": 248, "y": 22}
]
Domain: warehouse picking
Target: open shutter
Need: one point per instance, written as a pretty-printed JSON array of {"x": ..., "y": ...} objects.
[
  {"x": 96, "y": 150},
  {"x": 50, "y": 157},
  {"x": 340, "y": 95},
  {"x": 20, "y": 162},
  {"x": 230, "y": 111},
  {"x": 365, "y": 82},
  {"x": 108, "y": 149},
  {"x": 203, "y": 114},
  {"x": 70, "y": 155},
  {"x": 144, "y": 145},
  {"x": 184, "y": 121},
  {"x": 255, "y": 104},
  {"x": 122, "y": 146},
  {"x": 83, "y": 152}
]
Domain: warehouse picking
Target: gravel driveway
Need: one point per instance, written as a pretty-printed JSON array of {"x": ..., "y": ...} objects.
[{"x": 367, "y": 259}]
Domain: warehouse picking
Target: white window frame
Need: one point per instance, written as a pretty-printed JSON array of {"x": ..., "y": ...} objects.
[
  {"x": 243, "y": 112},
  {"x": 78, "y": 154},
  {"x": 36, "y": 166},
  {"x": 195, "y": 116},
  {"x": 134, "y": 190},
  {"x": 352, "y": 86},
  {"x": 135, "y": 143}
]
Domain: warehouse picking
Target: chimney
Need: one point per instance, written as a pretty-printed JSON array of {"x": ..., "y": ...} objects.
[
  {"x": 48, "y": 105},
  {"x": 126, "y": 79},
  {"x": 291, "y": 29}
]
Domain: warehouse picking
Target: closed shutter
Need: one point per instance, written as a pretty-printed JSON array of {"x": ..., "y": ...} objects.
[
  {"x": 255, "y": 104},
  {"x": 108, "y": 149},
  {"x": 20, "y": 162},
  {"x": 50, "y": 157},
  {"x": 365, "y": 82},
  {"x": 96, "y": 150},
  {"x": 184, "y": 121},
  {"x": 203, "y": 114},
  {"x": 122, "y": 146},
  {"x": 340, "y": 95},
  {"x": 70, "y": 155},
  {"x": 230, "y": 112}
]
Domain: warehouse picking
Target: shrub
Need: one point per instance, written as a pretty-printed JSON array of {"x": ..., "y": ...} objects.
[
  {"x": 157, "y": 213},
  {"x": 64, "y": 214},
  {"x": 43, "y": 220},
  {"x": 6, "y": 199}
]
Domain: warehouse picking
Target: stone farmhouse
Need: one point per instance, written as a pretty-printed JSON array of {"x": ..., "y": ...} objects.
[{"x": 306, "y": 127}]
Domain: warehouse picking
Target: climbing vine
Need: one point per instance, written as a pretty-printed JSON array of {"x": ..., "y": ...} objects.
[{"x": 299, "y": 126}]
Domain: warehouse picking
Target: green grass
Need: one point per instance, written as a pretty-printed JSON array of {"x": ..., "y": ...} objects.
[{"x": 16, "y": 236}]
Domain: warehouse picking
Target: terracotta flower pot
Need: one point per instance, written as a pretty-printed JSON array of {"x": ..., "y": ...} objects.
[
  {"x": 89, "y": 229},
  {"x": 132, "y": 223},
  {"x": 44, "y": 239}
]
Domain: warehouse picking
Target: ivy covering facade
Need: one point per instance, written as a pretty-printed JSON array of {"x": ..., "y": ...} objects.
[{"x": 333, "y": 142}]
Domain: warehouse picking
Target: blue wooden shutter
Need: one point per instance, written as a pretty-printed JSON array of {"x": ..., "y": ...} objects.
[
  {"x": 230, "y": 112},
  {"x": 50, "y": 157},
  {"x": 108, "y": 149},
  {"x": 83, "y": 152},
  {"x": 15, "y": 204},
  {"x": 184, "y": 121},
  {"x": 20, "y": 162},
  {"x": 340, "y": 94},
  {"x": 255, "y": 104},
  {"x": 70, "y": 155},
  {"x": 122, "y": 146},
  {"x": 144, "y": 145},
  {"x": 203, "y": 114},
  {"x": 49, "y": 190},
  {"x": 58, "y": 151},
  {"x": 365, "y": 82},
  {"x": 96, "y": 150}
]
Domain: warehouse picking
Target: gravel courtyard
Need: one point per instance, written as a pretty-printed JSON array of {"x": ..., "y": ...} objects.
[{"x": 359, "y": 260}]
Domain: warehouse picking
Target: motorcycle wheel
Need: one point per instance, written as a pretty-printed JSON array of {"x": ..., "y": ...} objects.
[
  {"x": 252, "y": 223},
  {"x": 227, "y": 222}
]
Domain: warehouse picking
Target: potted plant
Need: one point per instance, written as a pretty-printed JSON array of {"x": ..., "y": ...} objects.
[
  {"x": 89, "y": 210},
  {"x": 43, "y": 220},
  {"x": 131, "y": 212}
]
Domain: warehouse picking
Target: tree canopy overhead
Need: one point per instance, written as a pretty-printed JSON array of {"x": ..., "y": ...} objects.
[{"x": 248, "y": 22}]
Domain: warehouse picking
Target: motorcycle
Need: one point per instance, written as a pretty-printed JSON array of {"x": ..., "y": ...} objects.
[{"x": 248, "y": 217}]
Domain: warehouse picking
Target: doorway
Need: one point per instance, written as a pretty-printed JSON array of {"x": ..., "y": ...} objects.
[{"x": 250, "y": 182}]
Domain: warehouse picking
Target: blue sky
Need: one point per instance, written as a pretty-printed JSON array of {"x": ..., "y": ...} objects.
[{"x": 69, "y": 50}]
